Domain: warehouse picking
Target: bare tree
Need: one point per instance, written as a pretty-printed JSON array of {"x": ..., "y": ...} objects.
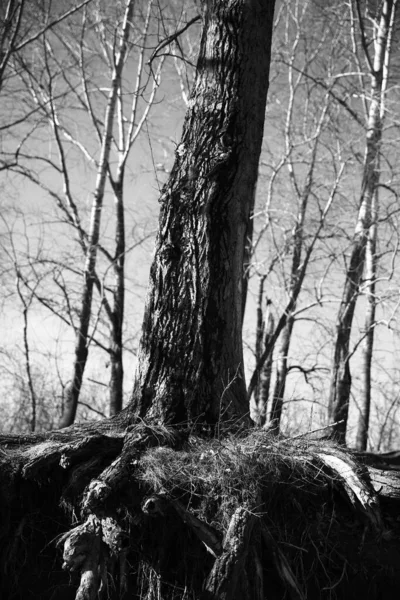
[
  {"x": 65, "y": 80},
  {"x": 81, "y": 348},
  {"x": 313, "y": 172},
  {"x": 340, "y": 387}
]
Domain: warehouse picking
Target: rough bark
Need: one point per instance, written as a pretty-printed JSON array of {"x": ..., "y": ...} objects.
[
  {"x": 340, "y": 386},
  {"x": 191, "y": 361}
]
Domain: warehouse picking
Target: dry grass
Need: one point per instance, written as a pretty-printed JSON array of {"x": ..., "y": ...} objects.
[{"x": 308, "y": 508}]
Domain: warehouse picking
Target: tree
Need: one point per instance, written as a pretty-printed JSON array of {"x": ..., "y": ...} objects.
[
  {"x": 191, "y": 364},
  {"x": 194, "y": 310},
  {"x": 305, "y": 164},
  {"x": 264, "y": 331},
  {"x": 65, "y": 84},
  {"x": 365, "y": 229},
  {"x": 81, "y": 349},
  {"x": 132, "y": 489}
]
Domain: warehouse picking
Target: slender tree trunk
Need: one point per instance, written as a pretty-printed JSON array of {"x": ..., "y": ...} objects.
[
  {"x": 340, "y": 386},
  {"x": 297, "y": 269},
  {"x": 364, "y": 403},
  {"x": 259, "y": 333},
  {"x": 191, "y": 359},
  {"x": 81, "y": 345},
  {"x": 116, "y": 365},
  {"x": 27, "y": 353},
  {"x": 296, "y": 279},
  {"x": 280, "y": 376},
  {"x": 264, "y": 331},
  {"x": 266, "y": 372},
  {"x": 129, "y": 130}
]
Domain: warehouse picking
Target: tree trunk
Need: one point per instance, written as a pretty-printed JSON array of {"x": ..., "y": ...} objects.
[
  {"x": 364, "y": 402},
  {"x": 117, "y": 320},
  {"x": 296, "y": 280},
  {"x": 340, "y": 386},
  {"x": 260, "y": 326},
  {"x": 191, "y": 360},
  {"x": 264, "y": 332},
  {"x": 280, "y": 376},
  {"x": 266, "y": 371},
  {"x": 82, "y": 332}
]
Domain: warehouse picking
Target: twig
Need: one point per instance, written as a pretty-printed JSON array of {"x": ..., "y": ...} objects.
[{"x": 172, "y": 38}]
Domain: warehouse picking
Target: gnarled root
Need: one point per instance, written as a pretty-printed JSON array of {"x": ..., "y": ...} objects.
[
  {"x": 223, "y": 579},
  {"x": 91, "y": 547}
]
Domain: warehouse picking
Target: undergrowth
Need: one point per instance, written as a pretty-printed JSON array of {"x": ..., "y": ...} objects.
[
  {"x": 306, "y": 508},
  {"x": 313, "y": 531}
]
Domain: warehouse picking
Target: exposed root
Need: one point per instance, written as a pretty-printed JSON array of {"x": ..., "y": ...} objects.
[
  {"x": 91, "y": 548},
  {"x": 245, "y": 517},
  {"x": 356, "y": 483},
  {"x": 206, "y": 534},
  {"x": 223, "y": 579}
]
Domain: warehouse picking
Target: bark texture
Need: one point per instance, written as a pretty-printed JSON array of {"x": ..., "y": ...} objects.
[{"x": 191, "y": 362}]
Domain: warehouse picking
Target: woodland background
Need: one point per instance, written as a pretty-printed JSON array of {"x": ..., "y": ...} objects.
[{"x": 84, "y": 135}]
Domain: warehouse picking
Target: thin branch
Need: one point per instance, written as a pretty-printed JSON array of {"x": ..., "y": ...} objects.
[
  {"x": 50, "y": 25},
  {"x": 171, "y": 38},
  {"x": 363, "y": 38}
]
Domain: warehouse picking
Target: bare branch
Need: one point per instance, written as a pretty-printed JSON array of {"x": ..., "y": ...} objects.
[{"x": 171, "y": 38}]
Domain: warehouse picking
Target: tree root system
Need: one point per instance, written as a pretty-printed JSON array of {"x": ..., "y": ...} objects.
[{"x": 157, "y": 512}]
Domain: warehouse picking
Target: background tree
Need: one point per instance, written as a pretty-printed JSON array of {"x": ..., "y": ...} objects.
[
  {"x": 334, "y": 71},
  {"x": 264, "y": 332},
  {"x": 69, "y": 77},
  {"x": 305, "y": 164},
  {"x": 340, "y": 387}
]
